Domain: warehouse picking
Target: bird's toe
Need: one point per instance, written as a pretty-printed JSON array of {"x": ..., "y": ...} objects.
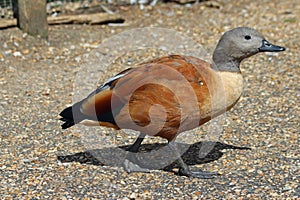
[{"x": 197, "y": 174}]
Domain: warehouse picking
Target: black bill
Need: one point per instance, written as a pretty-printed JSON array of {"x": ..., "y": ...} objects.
[{"x": 268, "y": 47}]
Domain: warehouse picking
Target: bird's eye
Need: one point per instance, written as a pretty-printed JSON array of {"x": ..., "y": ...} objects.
[{"x": 247, "y": 37}]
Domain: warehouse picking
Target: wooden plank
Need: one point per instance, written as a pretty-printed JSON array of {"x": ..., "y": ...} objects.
[
  {"x": 92, "y": 19},
  {"x": 7, "y": 23}
]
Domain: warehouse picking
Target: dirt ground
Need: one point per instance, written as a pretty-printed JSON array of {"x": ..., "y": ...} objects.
[{"x": 37, "y": 81}]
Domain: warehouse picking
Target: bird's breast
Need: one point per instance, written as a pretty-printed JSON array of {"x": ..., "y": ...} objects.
[
  {"x": 231, "y": 88},
  {"x": 218, "y": 92}
]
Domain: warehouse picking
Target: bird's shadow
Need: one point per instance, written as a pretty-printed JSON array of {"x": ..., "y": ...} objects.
[{"x": 152, "y": 156}]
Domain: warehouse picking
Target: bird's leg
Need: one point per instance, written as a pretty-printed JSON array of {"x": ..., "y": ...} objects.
[
  {"x": 184, "y": 168},
  {"x": 131, "y": 161},
  {"x": 134, "y": 148}
]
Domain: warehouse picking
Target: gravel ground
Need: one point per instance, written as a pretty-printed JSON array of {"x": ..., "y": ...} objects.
[{"x": 37, "y": 83}]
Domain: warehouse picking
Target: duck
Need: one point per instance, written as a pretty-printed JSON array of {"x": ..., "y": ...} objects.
[{"x": 172, "y": 94}]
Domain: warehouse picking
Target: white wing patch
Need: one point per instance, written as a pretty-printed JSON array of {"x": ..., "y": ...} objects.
[{"x": 108, "y": 83}]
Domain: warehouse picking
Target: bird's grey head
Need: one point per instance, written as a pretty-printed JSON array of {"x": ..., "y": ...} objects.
[{"x": 238, "y": 44}]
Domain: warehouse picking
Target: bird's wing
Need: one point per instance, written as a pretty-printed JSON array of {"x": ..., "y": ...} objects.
[
  {"x": 98, "y": 103},
  {"x": 160, "y": 94}
]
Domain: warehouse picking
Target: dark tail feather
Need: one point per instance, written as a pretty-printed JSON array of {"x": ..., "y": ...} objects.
[
  {"x": 71, "y": 116},
  {"x": 67, "y": 124},
  {"x": 67, "y": 117}
]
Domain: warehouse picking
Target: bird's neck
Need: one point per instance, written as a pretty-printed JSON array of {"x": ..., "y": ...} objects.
[
  {"x": 228, "y": 66},
  {"x": 224, "y": 62}
]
